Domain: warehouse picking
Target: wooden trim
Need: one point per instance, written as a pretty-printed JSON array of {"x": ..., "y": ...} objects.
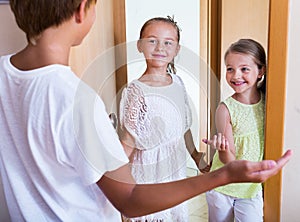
[
  {"x": 203, "y": 77},
  {"x": 204, "y": 22},
  {"x": 275, "y": 102},
  {"x": 119, "y": 10},
  {"x": 214, "y": 45},
  {"x": 215, "y": 29}
]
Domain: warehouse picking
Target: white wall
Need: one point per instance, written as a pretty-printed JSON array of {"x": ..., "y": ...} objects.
[
  {"x": 291, "y": 173},
  {"x": 187, "y": 16}
]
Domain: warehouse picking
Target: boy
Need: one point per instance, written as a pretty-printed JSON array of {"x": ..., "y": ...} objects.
[{"x": 59, "y": 161}]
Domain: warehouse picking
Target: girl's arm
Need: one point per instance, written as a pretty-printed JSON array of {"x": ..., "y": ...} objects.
[
  {"x": 135, "y": 200},
  {"x": 197, "y": 156},
  {"x": 223, "y": 125}
]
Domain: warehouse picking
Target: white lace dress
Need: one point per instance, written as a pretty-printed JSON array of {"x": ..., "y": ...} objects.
[{"x": 156, "y": 119}]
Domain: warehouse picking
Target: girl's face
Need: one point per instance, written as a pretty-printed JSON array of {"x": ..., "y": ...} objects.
[
  {"x": 242, "y": 72},
  {"x": 159, "y": 44}
]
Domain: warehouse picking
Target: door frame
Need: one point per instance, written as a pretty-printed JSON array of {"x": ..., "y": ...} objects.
[
  {"x": 276, "y": 91},
  {"x": 275, "y": 103}
]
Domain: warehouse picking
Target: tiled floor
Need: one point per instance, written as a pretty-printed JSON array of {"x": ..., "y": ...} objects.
[{"x": 198, "y": 209}]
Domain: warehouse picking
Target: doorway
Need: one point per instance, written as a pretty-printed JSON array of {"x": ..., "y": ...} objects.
[{"x": 212, "y": 15}]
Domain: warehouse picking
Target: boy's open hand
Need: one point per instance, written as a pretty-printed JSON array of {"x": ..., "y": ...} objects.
[{"x": 247, "y": 171}]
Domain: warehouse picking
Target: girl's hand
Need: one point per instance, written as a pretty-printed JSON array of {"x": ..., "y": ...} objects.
[
  {"x": 218, "y": 142},
  {"x": 202, "y": 165}
]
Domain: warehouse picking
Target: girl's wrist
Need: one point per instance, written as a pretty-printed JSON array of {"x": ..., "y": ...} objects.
[{"x": 194, "y": 153}]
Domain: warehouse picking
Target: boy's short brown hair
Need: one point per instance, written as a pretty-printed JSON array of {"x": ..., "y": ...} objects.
[{"x": 34, "y": 16}]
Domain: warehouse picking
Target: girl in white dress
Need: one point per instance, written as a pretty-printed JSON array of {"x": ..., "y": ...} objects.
[{"x": 155, "y": 116}]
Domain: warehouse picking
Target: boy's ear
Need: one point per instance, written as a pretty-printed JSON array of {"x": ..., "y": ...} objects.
[{"x": 80, "y": 13}]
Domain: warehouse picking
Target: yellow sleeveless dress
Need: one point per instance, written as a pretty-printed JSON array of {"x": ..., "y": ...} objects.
[{"x": 248, "y": 131}]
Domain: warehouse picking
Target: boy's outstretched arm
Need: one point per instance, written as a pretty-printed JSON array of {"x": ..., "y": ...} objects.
[{"x": 134, "y": 200}]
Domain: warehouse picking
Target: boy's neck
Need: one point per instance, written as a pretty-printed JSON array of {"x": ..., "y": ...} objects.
[{"x": 37, "y": 56}]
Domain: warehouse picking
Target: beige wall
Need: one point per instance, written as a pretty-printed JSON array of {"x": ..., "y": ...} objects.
[
  {"x": 242, "y": 19},
  {"x": 291, "y": 173},
  {"x": 94, "y": 59},
  {"x": 11, "y": 37}
]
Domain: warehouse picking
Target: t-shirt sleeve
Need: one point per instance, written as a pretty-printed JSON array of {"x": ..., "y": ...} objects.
[{"x": 99, "y": 145}]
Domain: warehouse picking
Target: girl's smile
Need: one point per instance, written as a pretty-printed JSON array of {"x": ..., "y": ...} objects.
[{"x": 238, "y": 83}]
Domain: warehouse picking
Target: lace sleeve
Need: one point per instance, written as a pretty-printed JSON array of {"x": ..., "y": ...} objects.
[{"x": 132, "y": 113}]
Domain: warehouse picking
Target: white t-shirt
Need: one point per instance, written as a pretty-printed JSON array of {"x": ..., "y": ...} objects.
[{"x": 56, "y": 143}]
